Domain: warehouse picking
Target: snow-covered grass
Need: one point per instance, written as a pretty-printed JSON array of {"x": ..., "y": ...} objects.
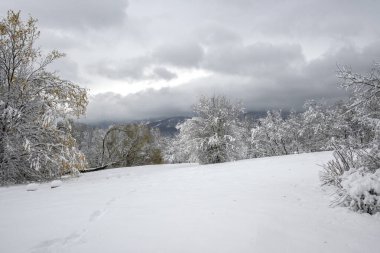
[{"x": 271, "y": 204}]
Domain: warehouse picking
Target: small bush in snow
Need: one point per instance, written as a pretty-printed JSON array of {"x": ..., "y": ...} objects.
[
  {"x": 344, "y": 160},
  {"x": 357, "y": 187},
  {"x": 361, "y": 190}
]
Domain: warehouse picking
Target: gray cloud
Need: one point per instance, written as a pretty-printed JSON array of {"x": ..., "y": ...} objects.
[
  {"x": 66, "y": 68},
  {"x": 187, "y": 55},
  {"x": 180, "y": 54},
  {"x": 257, "y": 59},
  {"x": 268, "y": 53},
  {"x": 143, "y": 105},
  {"x": 132, "y": 68},
  {"x": 72, "y": 14},
  {"x": 286, "y": 88},
  {"x": 163, "y": 73},
  {"x": 308, "y": 18},
  {"x": 254, "y": 59},
  {"x": 216, "y": 35}
]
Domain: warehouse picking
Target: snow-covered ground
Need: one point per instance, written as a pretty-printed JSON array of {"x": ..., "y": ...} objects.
[{"x": 271, "y": 204}]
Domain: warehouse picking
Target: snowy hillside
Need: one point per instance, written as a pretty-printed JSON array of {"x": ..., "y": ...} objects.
[{"x": 271, "y": 204}]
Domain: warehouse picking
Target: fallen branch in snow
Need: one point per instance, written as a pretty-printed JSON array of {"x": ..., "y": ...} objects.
[{"x": 103, "y": 167}]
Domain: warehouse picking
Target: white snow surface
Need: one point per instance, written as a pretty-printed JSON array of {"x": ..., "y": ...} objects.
[
  {"x": 32, "y": 187},
  {"x": 270, "y": 204},
  {"x": 56, "y": 183}
]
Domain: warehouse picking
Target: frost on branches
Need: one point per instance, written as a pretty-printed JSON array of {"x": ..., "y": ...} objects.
[
  {"x": 33, "y": 146},
  {"x": 214, "y": 135},
  {"x": 272, "y": 136},
  {"x": 355, "y": 172},
  {"x": 130, "y": 145}
]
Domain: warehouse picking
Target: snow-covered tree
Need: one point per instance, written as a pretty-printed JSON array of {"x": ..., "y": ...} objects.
[
  {"x": 293, "y": 126},
  {"x": 316, "y": 126},
  {"x": 274, "y": 135},
  {"x": 174, "y": 151},
  {"x": 356, "y": 168},
  {"x": 215, "y": 134},
  {"x": 320, "y": 127},
  {"x": 131, "y": 145},
  {"x": 248, "y": 124},
  {"x": 265, "y": 136},
  {"x": 32, "y": 102},
  {"x": 89, "y": 141}
]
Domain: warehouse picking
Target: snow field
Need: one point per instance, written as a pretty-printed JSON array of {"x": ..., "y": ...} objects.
[{"x": 272, "y": 204}]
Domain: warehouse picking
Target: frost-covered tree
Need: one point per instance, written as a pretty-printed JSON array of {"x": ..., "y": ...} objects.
[
  {"x": 174, "y": 151},
  {"x": 274, "y": 135},
  {"x": 89, "y": 141},
  {"x": 265, "y": 136},
  {"x": 316, "y": 126},
  {"x": 293, "y": 126},
  {"x": 355, "y": 171},
  {"x": 215, "y": 134},
  {"x": 131, "y": 145},
  {"x": 248, "y": 124},
  {"x": 32, "y": 102},
  {"x": 320, "y": 127}
]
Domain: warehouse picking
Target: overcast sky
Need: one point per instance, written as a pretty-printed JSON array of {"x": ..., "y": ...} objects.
[{"x": 150, "y": 59}]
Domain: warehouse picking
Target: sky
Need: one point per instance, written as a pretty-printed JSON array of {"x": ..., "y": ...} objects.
[{"x": 143, "y": 59}]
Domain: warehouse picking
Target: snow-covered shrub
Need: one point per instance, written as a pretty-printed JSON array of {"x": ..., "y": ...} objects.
[
  {"x": 355, "y": 172},
  {"x": 360, "y": 190},
  {"x": 344, "y": 160},
  {"x": 357, "y": 186}
]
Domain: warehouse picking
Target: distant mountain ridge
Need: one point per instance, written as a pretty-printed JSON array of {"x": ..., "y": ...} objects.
[{"x": 168, "y": 126}]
